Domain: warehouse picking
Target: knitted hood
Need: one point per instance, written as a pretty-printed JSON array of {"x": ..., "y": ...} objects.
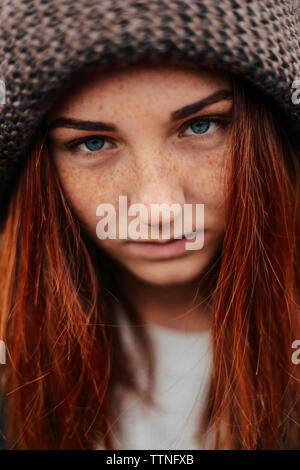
[{"x": 43, "y": 42}]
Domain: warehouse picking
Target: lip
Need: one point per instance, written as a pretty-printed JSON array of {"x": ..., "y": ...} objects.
[{"x": 161, "y": 249}]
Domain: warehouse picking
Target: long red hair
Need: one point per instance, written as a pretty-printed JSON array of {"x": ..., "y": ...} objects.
[{"x": 63, "y": 354}]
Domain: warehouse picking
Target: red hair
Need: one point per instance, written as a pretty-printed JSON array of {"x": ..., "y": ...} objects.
[{"x": 56, "y": 286}]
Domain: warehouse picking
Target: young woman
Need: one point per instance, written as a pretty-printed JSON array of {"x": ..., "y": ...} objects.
[{"x": 134, "y": 343}]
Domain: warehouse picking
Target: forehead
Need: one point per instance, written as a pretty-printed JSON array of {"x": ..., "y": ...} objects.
[{"x": 146, "y": 83}]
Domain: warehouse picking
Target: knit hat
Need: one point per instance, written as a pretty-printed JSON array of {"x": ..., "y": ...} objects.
[{"x": 43, "y": 42}]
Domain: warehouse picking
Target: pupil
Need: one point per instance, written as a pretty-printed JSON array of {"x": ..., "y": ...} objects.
[
  {"x": 93, "y": 144},
  {"x": 200, "y": 126}
]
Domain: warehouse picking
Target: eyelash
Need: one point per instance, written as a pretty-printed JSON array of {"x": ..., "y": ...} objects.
[
  {"x": 220, "y": 121},
  {"x": 73, "y": 146}
]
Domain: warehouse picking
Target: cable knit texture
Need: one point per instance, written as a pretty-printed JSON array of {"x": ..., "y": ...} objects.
[{"x": 43, "y": 42}]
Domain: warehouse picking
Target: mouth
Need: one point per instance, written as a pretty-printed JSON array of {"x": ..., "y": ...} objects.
[
  {"x": 161, "y": 242},
  {"x": 189, "y": 237},
  {"x": 170, "y": 248}
]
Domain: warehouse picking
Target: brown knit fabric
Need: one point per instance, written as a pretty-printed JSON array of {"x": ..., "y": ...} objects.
[{"x": 42, "y": 42}]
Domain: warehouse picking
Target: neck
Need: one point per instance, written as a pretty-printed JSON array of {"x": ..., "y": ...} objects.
[{"x": 177, "y": 306}]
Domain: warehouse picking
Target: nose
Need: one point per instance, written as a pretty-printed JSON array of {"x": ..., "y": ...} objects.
[{"x": 158, "y": 186}]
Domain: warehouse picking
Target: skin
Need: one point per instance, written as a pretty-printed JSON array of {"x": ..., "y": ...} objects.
[{"x": 150, "y": 159}]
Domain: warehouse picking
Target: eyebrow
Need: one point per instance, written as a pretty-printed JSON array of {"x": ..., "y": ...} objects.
[
  {"x": 219, "y": 95},
  {"x": 181, "y": 113}
]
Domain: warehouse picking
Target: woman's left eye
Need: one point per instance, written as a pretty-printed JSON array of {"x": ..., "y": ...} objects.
[{"x": 202, "y": 126}]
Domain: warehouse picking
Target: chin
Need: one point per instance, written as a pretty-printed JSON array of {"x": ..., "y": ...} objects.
[{"x": 169, "y": 272}]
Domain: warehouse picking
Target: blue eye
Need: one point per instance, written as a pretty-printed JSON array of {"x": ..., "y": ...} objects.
[
  {"x": 200, "y": 127},
  {"x": 93, "y": 145},
  {"x": 90, "y": 145},
  {"x": 204, "y": 126}
]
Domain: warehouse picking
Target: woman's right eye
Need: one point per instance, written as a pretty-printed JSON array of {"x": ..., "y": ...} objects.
[{"x": 91, "y": 145}]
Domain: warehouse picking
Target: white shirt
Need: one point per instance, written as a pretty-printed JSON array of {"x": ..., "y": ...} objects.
[{"x": 183, "y": 366}]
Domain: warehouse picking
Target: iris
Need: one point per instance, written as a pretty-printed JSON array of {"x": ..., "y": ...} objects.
[
  {"x": 200, "y": 127},
  {"x": 94, "y": 144}
]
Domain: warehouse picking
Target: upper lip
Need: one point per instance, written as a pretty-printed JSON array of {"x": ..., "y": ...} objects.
[{"x": 161, "y": 242}]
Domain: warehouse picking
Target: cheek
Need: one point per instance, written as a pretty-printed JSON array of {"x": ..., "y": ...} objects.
[
  {"x": 86, "y": 188},
  {"x": 205, "y": 178}
]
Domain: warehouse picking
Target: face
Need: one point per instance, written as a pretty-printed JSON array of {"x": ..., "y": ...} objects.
[{"x": 156, "y": 134}]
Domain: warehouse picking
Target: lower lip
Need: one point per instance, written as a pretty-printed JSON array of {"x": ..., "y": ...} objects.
[{"x": 162, "y": 250}]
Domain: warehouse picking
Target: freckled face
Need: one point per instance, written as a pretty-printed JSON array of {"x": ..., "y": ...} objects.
[{"x": 154, "y": 148}]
